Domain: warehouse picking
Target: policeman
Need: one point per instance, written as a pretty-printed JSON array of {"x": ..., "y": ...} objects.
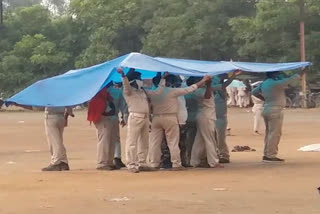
[
  {"x": 56, "y": 119},
  {"x": 272, "y": 92},
  {"x": 138, "y": 122},
  {"x": 100, "y": 112},
  {"x": 165, "y": 109}
]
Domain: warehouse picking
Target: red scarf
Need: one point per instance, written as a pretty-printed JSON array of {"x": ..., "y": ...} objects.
[{"x": 98, "y": 104}]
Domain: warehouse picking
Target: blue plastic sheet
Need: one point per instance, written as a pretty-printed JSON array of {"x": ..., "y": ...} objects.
[{"x": 78, "y": 86}]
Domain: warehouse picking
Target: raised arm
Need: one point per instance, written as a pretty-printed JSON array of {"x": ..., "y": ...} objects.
[
  {"x": 208, "y": 93},
  {"x": 183, "y": 91},
  {"x": 160, "y": 88},
  {"x": 285, "y": 81},
  {"x": 125, "y": 82},
  {"x": 257, "y": 92},
  {"x": 231, "y": 78}
]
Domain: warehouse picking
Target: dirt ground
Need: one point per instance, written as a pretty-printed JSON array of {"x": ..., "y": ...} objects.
[{"x": 244, "y": 186}]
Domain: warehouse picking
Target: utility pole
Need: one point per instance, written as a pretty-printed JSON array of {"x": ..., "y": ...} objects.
[
  {"x": 1, "y": 13},
  {"x": 303, "y": 55}
]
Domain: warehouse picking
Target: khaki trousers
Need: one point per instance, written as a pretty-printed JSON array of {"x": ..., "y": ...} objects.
[
  {"x": 54, "y": 125},
  {"x": 105, "y": 147},
  {"x": 205, "y": 142},
  {"x": 257, "y": 118},
  {"x": 116, "y": 138},
  {"x": 273, "y": 118},
  {"x": 221, "y": 124},
  {"x": 190, "y": 136},
  {"x": 137, "y": 140},
  {"x": 169, "y": 124}
]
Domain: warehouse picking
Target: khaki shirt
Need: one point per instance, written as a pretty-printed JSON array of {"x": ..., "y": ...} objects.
[
  {"x": 136, "y": 99},
  {"x": 273, "y": 91},
  {"x": 206, "y": 106},
  {"x": 167, "y": 101}
]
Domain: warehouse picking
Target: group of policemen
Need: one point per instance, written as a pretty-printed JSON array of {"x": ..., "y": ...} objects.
[{"x": 190, "y": 120}]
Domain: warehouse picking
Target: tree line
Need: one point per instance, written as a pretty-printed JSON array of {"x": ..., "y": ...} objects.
[{"x": 40, "y": 39}]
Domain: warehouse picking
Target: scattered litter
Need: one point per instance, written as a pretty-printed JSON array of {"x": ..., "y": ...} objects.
[
  {"x": 242, "y": 149},
  {"x": 20, "y": 121},
  {"x": 220, "y": 189},
  {"x": 119, "y": 199},
  {"x": 29, "y": 151},
  {"x": 11, "y": 162},
  {"x": 310, "y": 148}
]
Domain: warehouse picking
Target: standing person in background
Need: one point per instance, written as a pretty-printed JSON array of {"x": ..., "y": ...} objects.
[
  {"x": 139, "y": 106},
  {"x": 248, "y": 90},
  {"x": 257, "y": 110},
  {"x": 165, "y": 109},
  {"x": 102, "y": 117},
  {"x": 56, "y": 119},
  {"x": 272, "y": 92},
  {"x": 242, "y": 97}
]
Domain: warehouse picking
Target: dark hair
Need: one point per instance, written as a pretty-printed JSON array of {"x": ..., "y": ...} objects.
[
  {"x": 192, "y": 80},
  {"x": 272, "y": 75},
  {"x": 156, "y": 80},
  {"x": 133, "y": 74}
]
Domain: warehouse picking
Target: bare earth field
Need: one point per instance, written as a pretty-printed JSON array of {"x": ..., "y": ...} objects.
[{"x": 245, "y": 186}]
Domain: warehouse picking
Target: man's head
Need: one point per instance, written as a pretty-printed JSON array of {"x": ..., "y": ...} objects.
[
  {"x": 192, "y": 80},
  {"x": 171, "y": 80},
  {"x": 222, "y": 77},
  {"x": 134, "y": 78},
  {"x": 274, "y": 75}
]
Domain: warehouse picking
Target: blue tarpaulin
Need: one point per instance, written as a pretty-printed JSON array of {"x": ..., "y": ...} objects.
[{"x": 78, "y": 86}]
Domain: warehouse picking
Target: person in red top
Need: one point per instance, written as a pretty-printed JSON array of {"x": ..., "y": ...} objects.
[{"x": 100, "y": 110}]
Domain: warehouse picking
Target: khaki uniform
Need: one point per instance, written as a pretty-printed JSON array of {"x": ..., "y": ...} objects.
[
  {"x": 165, "y": 109},
  {"x": 54, "y": 123},
  {"x": 257, "y": 110},
  {"x": 205, "y": 141},
  {"x": 221, "y": 123},
  {"x": 233, "y": 96},
  {"x": 275, "y": 100},
  {"x": 105, "y": 148},
  {"x": 138, "y": 123}
]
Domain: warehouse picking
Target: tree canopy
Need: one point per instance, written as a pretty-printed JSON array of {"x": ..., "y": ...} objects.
[{"x": 40, "y": 39}]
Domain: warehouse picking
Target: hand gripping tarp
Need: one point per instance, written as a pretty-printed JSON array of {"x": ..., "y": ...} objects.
[{"x": 78, "y": 86}]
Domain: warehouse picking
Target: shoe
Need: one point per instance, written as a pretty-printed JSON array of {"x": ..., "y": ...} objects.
[
  {"x": 153, "y": 169},
  {"x": 144, "y": 168},
  {"x": 118, "y": 163},
  {"x": 52, "y": 168},
  {"x": 256, "y": 133},
  {"x": 224, "y": 160},
  {"x": 64, "y": 166},
  {"x": 133, "y": 170},
  {"x": 179, "y": 168},
  {"x": 272, "y": 160},
  {"x": 217, "y": 166},
  {"x": 107, "y": 168}
]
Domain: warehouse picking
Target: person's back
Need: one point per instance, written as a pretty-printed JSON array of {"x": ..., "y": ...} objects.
[
  {"x": 273, "y": 92},
  {"x": 166, "y": 102}
]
